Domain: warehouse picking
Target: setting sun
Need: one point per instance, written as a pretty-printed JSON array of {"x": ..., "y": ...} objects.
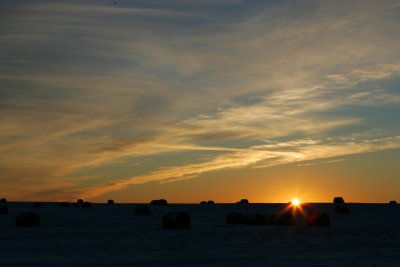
[{"x": 295, "y": 202}]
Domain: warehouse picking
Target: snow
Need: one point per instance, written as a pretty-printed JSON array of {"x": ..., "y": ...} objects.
[{"x": 113, "y": 235}]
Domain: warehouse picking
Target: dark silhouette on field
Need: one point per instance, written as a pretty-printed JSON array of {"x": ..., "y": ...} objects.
[
  {"x": 159, "y": 202},
  {"x": 176, "y": 220},
  {"x": 110, "y": 201},
  {"x": 286, "y": 219},
  {"x": 243, "y": 201},
  {"x": 259, "y": 219},
  {"x": 337, "y": 200},
  {"x": 27, "y": 219},
  {"x": 3, "y": 200}
]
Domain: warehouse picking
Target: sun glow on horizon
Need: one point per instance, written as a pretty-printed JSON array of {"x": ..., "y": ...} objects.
[{"x": 296, "y": 202}]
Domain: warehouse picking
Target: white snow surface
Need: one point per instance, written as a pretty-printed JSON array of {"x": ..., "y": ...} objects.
[{"x": 113, "y": 235}]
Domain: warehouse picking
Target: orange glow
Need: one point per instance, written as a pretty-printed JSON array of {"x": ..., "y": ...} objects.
[{"x": 296, "y": 202}]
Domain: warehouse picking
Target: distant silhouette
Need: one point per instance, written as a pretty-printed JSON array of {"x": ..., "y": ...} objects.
[
  {"x": 393, "y": 202},
  {"x": 27, "y": 219},
  {"x": 142, "y": 210},
  {"x": 3, "y": 209},
  {"x": 79, "y": 201},
  {"x": 3, "y": 200},
  {"x": 259, "y": 219},
  {"x": 337, "y": 200},
  {"x": 110, "y": 202},
  {"x": 342, "y": 209},
  {"x": 207, "y": 202},
  {"x": 286, "y": 219},
  {"x": 86, "y": 205},
  {"x": 64, "y": 204},
  {"x": 315, "y": 219},
  {"x": 37, "y": 205},
  {"x": 159, "y": 202},
  {"x": 176, "y": 220},
  {"x": 235, "y": 218},
  {"x": 243, "y": 201}
]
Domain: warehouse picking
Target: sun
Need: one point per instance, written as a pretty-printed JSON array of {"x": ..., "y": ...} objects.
[{"x": 296, "y": 202}]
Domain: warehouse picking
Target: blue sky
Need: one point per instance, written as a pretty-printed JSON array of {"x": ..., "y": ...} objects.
[{"x": 137, "y": 99}]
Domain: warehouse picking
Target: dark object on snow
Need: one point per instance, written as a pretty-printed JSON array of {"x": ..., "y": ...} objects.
[
  {"x": 142, "y": 210},
  {"x": 235, "y": 218},
  {"x": 258, "y": 219},
  {"x": 3, "y": 209},
  {"x": 159, "y": 202},
  {"x": 64, "y": 204},
  {"x": 393, "y": 202},
  {"x": 3, "y": 200},
  {"x": 315, "y": 219},
  {"x": 86, "y": 205},
  {"x": 79, "y": 201},
  {"x": 243, "y": 201},
  {"x": 342, "y": 209},
  {"x": 176, "y": 220},
  {"x": 27, "y": 219},
  {"x": 37, "y": 205},
  {"x": 337, "y": 200},
  {"x": 110, "y": 201},
  {"x": 286, "y": 219}
]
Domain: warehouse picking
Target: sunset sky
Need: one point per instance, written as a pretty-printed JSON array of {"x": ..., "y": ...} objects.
[{"x": 200, "y": 99}]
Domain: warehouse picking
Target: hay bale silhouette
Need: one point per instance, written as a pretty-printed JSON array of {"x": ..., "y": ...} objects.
[
  {"x": 159, "y": 202},
  {"x": 3, "y": 209},
  {"x": 243, "y": 201},
  {"x": 203, "y": 202},
  {"x": 110, "y": 201},
  {"x": 27, "y": 219},
  {"x": 37, "y": 205},
  {"x": 210, "y": 202},
  {"x": 64, "y": 204},
  {"x": 235, "y": 218},
  {"x": 142, "y": 210},
  {"x": 286, "y": 219},
  {"x": 3, "y": 200},
  {"x": 342, "y": 209},
  {"x": 337, "y": 200},
  {"x": 79, "y": 202},
  {"x": 315, "y": 219},
  {"x": 176, "y": 220},
  {"x": 86, "y": 205},
  {"x": 393, "y": 202},
  {"x": 258, "y": 219}
]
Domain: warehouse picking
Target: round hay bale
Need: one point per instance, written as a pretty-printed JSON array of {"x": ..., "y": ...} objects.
[
  {"x": 337, "y": 200},
  {"x": 3, "y": 209},
  {"x": 110, "y": 201},
  {"x": 342, "y": 209},
  {"x": 235, "y": 218},
  {"x": 315, "y": 219},
  {"x": 37, "y": 205},
  {"x": 86, "y": 205},
  {"x": 27, "y": 219},
  {"x": 393, "y": 202},
  {"x": 286, "y": 219},
  {"x": 176, "y": 220},
  {"x": 159, "y": 202},
  {"x": 142, "y": 210},
  {"x": 257, "y": 219},
  {"x": 79, "y": 201},
  {"x": 210, "y": 202},
  {"x": 243, "y": 201},
  {"x": 3, "y": 200},
  {"x": 64, "y": 204}
]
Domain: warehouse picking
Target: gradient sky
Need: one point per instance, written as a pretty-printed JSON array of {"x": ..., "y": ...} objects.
[{"x": 199, "y": 99}]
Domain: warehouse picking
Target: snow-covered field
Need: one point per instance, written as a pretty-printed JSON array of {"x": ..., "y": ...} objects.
[{"x": 113, "y": 235}]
